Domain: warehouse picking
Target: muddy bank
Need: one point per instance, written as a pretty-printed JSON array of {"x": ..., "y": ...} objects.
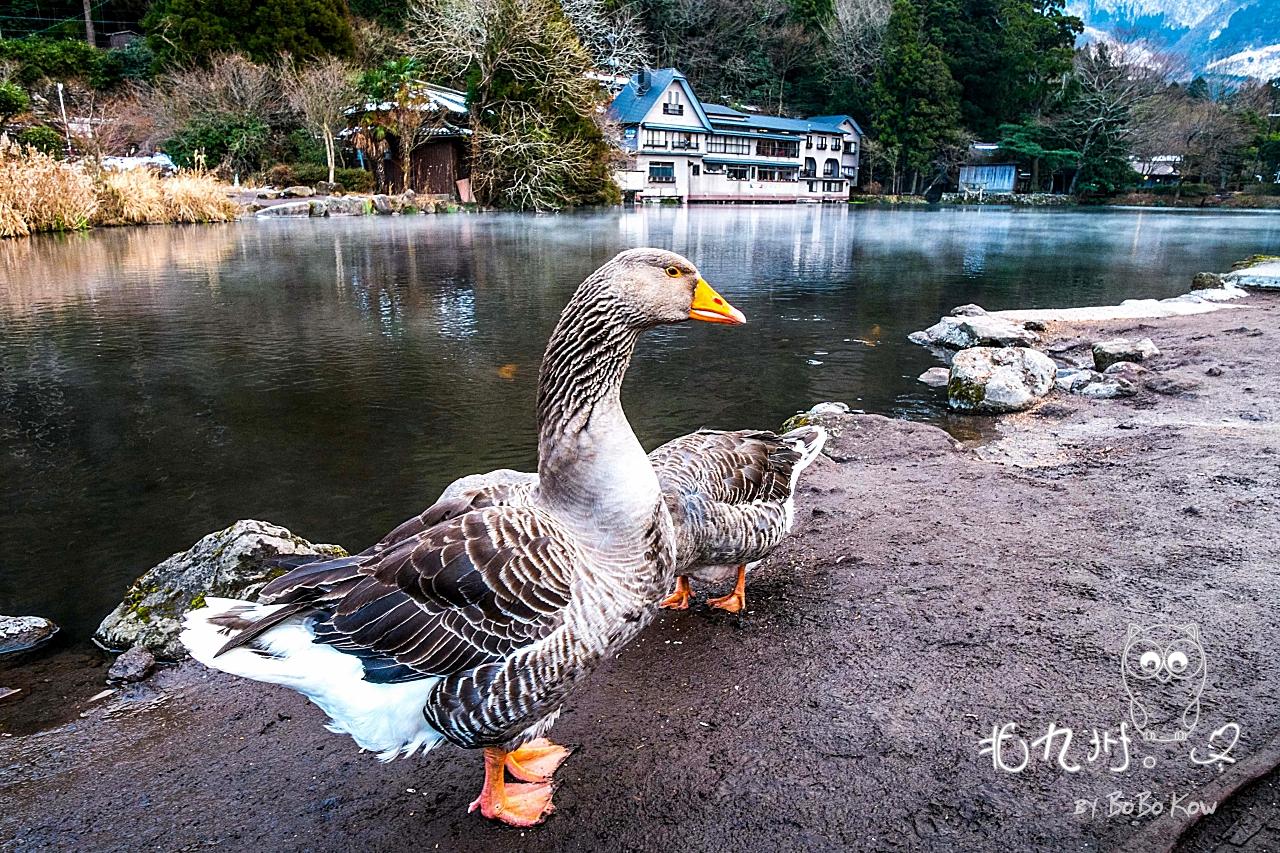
[{"x": 931, "y": 594}]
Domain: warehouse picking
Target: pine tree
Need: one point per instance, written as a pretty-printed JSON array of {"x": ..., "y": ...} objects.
[{"x": 914, "y": 99}]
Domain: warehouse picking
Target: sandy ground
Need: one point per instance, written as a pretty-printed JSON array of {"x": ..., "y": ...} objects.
[{"x": 932, "y": 593}]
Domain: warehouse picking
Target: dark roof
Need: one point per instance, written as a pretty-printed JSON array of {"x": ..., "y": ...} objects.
[
  {"x": 631, "y": 106},
  {"x": 722, "y": 110},
  {"x": 836, "y": 121}
]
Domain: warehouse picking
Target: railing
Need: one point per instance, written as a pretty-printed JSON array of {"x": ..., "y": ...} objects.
[
  {"x": 662, "y": 179},
  {"x": 673, "y": 109},
  {"x": 654, "y": 144},
  {"x": 807, "y": 173},
  {"x": 681, "y": 145}
]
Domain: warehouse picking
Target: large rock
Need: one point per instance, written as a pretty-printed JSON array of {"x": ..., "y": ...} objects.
[
  {"x": 1090, "y": 383},
  {"x": 1107, "y": 353},
  {"x": 980, "y": 330},
  {"x": 350, "y": 205},
  {"x": 22, "y": 633},
  {"x": 859, "y": 437},
  {"x": 935, "y": 377},
  {"x": 382, "y": 205},
  {"x": 290, "y": 208},
  {"x": 995, "y": 380},
  {"x": 1262, "y": 273},
  {"x": 298, "y": 192},
  {"x": 231, "y": 563},
  {"x": 134, "y": 665}
]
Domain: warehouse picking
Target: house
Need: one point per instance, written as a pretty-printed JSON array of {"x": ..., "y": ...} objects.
[
  {"x": 439, "y": 160},
  {"x": 1162, "y": 170},
  {"x": 682, "y": 149}
]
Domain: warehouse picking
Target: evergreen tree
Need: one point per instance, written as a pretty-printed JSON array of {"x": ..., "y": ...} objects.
[
  {"x": 914, "y": 99},
  {"x": 186, "y": 31}
]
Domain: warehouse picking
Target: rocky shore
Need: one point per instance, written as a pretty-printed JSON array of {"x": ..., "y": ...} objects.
[{"x": 933, "y": 593}]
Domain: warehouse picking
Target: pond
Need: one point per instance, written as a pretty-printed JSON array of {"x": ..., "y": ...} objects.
[{"x": 332, "y": 376}]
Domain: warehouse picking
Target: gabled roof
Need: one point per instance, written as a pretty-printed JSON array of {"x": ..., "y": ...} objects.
[
  {"x": 631, "y": 105},
  {"x": 836, "y": 120}
]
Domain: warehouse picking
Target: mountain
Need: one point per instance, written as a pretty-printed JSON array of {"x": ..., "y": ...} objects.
[{"x": 1223, "y": 38}]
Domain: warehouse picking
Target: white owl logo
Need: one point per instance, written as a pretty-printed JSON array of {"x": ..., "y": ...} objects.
[{"x": 1164, "y": 673}]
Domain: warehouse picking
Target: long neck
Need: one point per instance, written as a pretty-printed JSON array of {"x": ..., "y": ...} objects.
[{"x": 591, "y": 467}]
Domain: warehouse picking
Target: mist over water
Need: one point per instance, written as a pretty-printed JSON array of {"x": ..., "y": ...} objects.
[{"x": 333, "y": 375}]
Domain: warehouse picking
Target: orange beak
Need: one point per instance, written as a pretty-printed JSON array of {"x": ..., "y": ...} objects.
[{"x": 711, "y": 307}]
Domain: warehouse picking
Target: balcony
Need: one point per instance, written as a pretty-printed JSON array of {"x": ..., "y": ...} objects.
[
  {"x": 673, "y": 109},
  {"x": 684, "y": 145},
  {"x": 662, "y": 179},
  {"x": 653, "y": 143},
  {"x": 807, "y": 173}
]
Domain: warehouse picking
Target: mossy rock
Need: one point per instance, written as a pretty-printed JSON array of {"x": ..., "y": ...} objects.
[
  {"x": 232, "y": 563},
  {"x": 1253, "y": 261}
]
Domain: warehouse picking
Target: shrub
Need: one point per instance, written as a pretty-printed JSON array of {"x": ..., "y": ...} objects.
[
  {"x": 197, "y": 197},
  {"x": 305, "y": 148},
  {"x": 13, "y": 101},
  {"x": 130, "y": 198},
  {"x": 281, "y": 175},
  {"x": 235, "y": 141},
  {"x": 46, "y": 140},
  {"x": 352, "y": 180},
  {"x": 1188, "y": 190},
  {"x": 39, "y": 58}
]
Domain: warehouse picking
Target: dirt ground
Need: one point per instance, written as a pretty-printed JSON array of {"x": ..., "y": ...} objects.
[{"x": 931, "y": 594}]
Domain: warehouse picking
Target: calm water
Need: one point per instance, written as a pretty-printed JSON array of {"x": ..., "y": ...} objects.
[{"x": 332, "y": 376}]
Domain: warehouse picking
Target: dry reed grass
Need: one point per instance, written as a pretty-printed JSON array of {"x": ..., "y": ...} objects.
[{"x": 41, "y": 193}]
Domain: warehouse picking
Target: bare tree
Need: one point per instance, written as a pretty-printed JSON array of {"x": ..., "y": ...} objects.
[
  {"x": 493, "y": 44},
  {"x": 321, "y": 93},
  {"x": 855, "y": 33},
  {"x": 614, "y": 37},
  {"x": 789, "y": 46}
]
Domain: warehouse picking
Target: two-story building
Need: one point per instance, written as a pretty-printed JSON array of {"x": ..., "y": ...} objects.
[{"x": 683, "y": 149}]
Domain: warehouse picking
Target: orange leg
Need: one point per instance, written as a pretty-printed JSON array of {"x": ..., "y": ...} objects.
[
  {"x": 536, "y": 760},
  {"x": 679, "y": 598},
  {"x": 736, "y": 600},
  {"x": 517, "y": 804}
]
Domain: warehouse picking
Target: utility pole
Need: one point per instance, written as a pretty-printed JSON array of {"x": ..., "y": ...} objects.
[{"x": 88, "y": 24}]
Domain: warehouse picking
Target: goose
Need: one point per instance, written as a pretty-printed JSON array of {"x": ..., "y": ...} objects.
[
  {"x": 476, "y": 629},
  {"x": 730, "y": 495},
  {"x": 731, "y": 498}
]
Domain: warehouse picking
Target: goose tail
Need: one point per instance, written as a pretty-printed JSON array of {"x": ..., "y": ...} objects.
[
  {"x": 383, "y": 718},
  {"x": 808, "y": 441}
]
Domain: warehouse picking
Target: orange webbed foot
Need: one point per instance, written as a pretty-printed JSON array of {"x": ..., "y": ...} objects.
[
  {"x": 521, "y": 804},
  {"x": 537, "y": 760},
  {"x": 736, "y": 600},
  {"x": 679, "y": 597}
]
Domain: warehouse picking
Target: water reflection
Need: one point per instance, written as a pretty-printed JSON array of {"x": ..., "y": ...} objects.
[{"x": 333, "y": 375}]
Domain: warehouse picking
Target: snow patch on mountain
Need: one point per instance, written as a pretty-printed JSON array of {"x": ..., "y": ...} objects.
[{"x": 1263, "y": 63}]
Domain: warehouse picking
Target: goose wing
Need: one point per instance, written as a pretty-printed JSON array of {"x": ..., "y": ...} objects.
[
  {"x": 727, "y": 467},
  {"x": 463, "y": 593},
  {"x": 454, "y": 502}
]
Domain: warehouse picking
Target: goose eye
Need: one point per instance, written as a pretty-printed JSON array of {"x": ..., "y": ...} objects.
[{"x": 673, "y": 272}]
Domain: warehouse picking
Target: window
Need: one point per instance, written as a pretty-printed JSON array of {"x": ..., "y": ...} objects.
[
  {"x": 655, "y": 139},
  {"x": 673, "y": 107},
  {"x": 684, "y": 141},
  {"x": 714, "y": 169},
  {"x": 811, "y": 189},
  {"x": 847, "y": 171},
  {"x": 697, "y": 170},
  {"x": 728, "y": 145},
  {"x": 738, "y": 173},
  {"x": 822, "y": 143},
  {"x": 850, "y": 147},
  {"x": 662, "y": 173},
  {"x": 831, "y": 168},
  {"x": 832, "y": 186},
  {"x": 765, "y": 173},
  {"x": 835, "y": 143},
  {"x": 810, "y": 168},
  {"x": 808, "y": 142},
  {"x": 777, "y": 148}
]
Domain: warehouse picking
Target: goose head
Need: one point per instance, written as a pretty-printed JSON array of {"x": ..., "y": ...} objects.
[{"x": 652, "y": 287}]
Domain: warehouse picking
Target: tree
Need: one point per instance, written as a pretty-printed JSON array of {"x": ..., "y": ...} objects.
[
  {"x": 528, "y": 92},
  {"x": 913, "y": 99},
  {"x": 194, "y": 31},
  {"x": 402, "y": 110},
  {"x": 1106, "y": 85},
  {"x": 1033, "y": 140},
  {"x": 321, "y": 95}
]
